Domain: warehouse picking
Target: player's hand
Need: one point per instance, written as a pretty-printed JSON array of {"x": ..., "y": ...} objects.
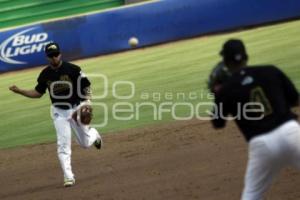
[
  {"x": 14, "y": 88},
  {"x": 84, "y": 114}
]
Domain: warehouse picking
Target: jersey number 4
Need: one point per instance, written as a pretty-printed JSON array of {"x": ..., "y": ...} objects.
[{"x": 258, "y": 95}]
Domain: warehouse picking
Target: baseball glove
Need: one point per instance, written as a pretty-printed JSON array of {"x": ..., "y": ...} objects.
[
  {"x": 217, "y": 77},
  {"x": 84, "y": 114}
]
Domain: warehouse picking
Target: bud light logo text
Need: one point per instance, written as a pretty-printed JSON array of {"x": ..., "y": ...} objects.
[{"x": 21, "y": 44}]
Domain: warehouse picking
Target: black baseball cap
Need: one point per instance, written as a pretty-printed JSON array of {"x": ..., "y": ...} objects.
[
  {"x": 52, "y": 49},
  {"x": 234, "y": 50}
]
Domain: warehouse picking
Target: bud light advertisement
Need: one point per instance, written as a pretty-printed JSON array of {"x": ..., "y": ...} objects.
[
  {"x": 24, "y": 47},
  {"x": 20, "y": 47},
  {"x": 153, "y": 23}
]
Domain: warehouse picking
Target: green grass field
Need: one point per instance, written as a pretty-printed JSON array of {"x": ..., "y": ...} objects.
[{"x": 179, "y": 67}]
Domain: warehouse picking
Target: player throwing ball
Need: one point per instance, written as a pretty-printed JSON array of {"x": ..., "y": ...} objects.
[
  {"x": 69, "y": 91},
  {"x": 261, "y": 99}
]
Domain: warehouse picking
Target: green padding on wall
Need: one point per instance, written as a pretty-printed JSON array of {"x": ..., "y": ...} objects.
[{"x": 19, "y": 12}]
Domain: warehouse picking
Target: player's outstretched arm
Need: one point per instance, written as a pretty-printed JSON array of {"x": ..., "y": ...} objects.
[{"x": 26, "y": 93}]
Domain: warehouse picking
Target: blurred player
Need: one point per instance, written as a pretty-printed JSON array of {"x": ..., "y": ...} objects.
[
  {"x": 261, "y": 99},
  {"x": 68, "y": 89}
]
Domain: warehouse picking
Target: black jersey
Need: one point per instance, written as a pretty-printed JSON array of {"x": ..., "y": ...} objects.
[
  {"x": 252, "y": 88},
  {"x": 65, "y": 84}
]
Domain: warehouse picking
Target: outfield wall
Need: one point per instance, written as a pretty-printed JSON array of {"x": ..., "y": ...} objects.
[{"x": 153, "y": 23}]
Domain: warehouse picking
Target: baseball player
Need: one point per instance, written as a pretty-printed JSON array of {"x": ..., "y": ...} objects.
[
  {"x": 260, "y": 98},
  {"x": 69, "y": 91}
]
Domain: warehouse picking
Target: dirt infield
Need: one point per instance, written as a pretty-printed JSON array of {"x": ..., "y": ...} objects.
[{"x": 178, "y": 161}]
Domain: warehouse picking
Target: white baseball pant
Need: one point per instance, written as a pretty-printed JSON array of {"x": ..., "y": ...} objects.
[
  {"x": 268, "y": 154},
  {"x": 85, "y": 136}
]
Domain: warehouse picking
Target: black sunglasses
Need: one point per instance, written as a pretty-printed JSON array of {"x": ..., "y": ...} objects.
[{"x": 51, "y": 55}]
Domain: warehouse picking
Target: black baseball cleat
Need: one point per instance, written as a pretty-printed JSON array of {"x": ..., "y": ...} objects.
[{"x": 98, "y": 143}]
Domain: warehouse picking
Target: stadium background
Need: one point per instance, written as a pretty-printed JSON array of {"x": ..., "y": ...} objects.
[{"x": 165, "y": 158}]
